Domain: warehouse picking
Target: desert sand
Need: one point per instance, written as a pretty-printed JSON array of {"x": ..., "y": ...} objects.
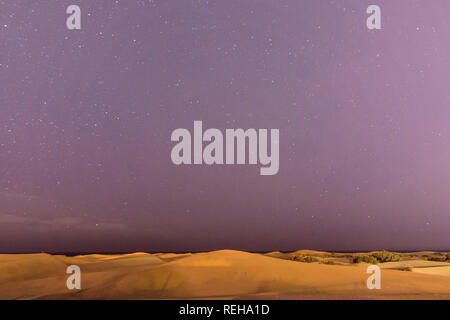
[{"x": 224, "y": 274}]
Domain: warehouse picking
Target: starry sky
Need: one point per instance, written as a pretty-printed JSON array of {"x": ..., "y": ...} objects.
[{"x": 86, "y": 118}]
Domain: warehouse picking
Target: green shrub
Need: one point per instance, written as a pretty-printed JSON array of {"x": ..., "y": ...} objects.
[
  {"x": 367, "y": 259},
  {"x": 437, "y": 258},
  {"x": 377, "y": 257},
  {"x": 303, "y": 258},
  {"x": 386, "y": 256}
]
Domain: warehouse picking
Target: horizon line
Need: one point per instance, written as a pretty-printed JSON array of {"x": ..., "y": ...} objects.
[{"x": 76, "y": 253}]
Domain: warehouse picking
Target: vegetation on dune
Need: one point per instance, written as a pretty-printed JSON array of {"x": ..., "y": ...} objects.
[
  {"x": 408, "y": 269},
  {"x": 437, "y": 258},
  {"x": 370, "y": 258},
  {"x": 367, "y": 259},
  {"x": 304, "y": 258},
  {"x": 377, "y": 257},
  {"x": 386, "y": 256},
  {"x": 441, "y": 257}
]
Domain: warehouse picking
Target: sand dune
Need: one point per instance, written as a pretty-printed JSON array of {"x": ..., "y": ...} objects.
[
  {"x": 443, "y": 271},
  {"x": 414, "y": 263},
  {"x": 213, "y": 275}
]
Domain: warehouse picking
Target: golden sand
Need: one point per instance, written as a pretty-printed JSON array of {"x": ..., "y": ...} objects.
[{"x": 217, "y": 275}]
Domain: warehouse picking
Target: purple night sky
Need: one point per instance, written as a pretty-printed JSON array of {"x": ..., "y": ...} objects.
[{"x": 86, "y": 119}]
